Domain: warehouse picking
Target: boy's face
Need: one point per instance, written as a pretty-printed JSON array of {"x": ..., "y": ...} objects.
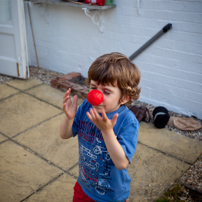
[{"x": 112, "y": 96}]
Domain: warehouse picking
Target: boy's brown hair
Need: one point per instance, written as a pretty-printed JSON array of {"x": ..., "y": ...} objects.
[{"x": 116, "y": 69}]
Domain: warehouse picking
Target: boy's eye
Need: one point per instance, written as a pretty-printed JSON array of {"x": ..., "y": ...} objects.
[
  {"x": 106, "y": 92},
  {"x": 93, "y": 87}
]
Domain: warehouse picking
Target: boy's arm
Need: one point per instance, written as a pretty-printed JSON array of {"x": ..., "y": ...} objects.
[
  {"x": 114, "y": 148},
  {"x": 70, "y": 109},
  {"x": 66, "y": 128}
]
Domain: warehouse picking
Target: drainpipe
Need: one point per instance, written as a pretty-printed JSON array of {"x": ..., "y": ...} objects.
[{"x": 150, "y": 41}]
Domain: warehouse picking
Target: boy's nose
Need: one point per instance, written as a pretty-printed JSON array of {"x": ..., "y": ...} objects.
[{"x": 95, "y": 97}]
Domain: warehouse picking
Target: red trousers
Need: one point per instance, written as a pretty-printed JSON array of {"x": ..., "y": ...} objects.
[{"x": 79, "y": 195}]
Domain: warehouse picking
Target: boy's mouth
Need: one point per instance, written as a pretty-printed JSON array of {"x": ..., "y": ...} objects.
[{"x": 98, "y": 106}]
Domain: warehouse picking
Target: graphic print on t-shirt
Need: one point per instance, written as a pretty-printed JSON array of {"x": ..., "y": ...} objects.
[{"x": 94, "y": 158}]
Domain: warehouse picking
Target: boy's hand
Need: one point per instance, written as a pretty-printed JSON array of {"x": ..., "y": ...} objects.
[
  {"x": 114, "y": 148},
  {"x": 103, "y": 123},
  {"x": 70, "y": 107}
]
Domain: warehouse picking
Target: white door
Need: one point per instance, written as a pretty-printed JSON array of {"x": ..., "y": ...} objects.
[{"x": 13, "y": 42}]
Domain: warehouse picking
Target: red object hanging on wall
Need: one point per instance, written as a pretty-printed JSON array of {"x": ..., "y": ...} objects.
[
  {"x": 100, "y": 2},
  {"x": 87, "y": 1}
]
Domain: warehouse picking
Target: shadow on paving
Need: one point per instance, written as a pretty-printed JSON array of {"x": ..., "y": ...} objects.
[{"x": 36, "y": 165}]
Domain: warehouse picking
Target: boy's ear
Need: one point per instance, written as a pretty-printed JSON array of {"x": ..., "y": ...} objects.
[{"x": 124, "y": 99}]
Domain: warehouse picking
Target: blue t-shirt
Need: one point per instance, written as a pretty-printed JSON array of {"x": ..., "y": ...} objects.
[{"x": 98, "y": 176}]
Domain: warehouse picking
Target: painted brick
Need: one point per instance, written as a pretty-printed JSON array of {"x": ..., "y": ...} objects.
[
  {"x": 195, "y": 7},
  {"x": 64, "y": 83},
  {"x": 171, "y": 6}
]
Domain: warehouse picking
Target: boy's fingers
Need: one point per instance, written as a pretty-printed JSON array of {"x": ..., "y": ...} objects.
[
  {"x": 67, "y": 92},
  {"x": 88, "y": 115},
  {"x": 114, "y": 119},
  {"x": 97, "y": 116},
  {"x": 75, "y": 100},
  {"x": 65, "y": 99},
  {"x": 66, "y": 96},
  {"x": 92, "y": 113},
  {"x": 67, "y": 104},
  {"x": 104, "y": 116}
]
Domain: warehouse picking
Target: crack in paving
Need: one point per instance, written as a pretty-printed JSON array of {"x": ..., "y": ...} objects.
[
  {"x": 50, "y": 163},
  {"x": 167, "y": 154}
]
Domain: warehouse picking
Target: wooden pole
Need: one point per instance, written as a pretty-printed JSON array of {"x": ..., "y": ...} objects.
[{"x": 30, "y": 19}]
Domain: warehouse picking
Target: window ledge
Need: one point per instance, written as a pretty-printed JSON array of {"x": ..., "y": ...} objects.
[{"x": 72, "y": 4}]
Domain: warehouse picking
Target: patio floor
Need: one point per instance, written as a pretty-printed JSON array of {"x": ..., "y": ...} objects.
[{"x": 36, "y": 165}]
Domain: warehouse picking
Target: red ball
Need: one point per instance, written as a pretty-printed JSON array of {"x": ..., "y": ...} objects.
[{"x": 95, "y": 97}]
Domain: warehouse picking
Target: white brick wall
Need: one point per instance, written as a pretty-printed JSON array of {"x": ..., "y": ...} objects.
[{"x": 171, "y": 68}]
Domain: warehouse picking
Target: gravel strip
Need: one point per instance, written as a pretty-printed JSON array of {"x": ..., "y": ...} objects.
[
  {"x": 193, "y": 176},
  {"x": 197, "y": 134},
  {"x": 40, "y": 74}
]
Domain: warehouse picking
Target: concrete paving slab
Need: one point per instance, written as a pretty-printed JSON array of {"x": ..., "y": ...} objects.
[
  {"x": 21, "y": 112},
  {"x": 60, "y": 190},
  {"x": 2, "y": 138},
  {"x": 170, "y": 142},
  {"x": 162, "y": 156},
  {"x": 6, "y": 91},
  {"x": 74, "y": 171},
  {"x": 22, "y": 173},
  {"x": 152, "y": 173},
  {"x": 45, "y": 140},
  {"x": 22, "y": 84},
  {"x": 50, "y": 95}
]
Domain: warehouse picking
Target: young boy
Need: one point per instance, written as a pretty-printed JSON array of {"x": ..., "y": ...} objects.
[{"x": 107, "y": 133}]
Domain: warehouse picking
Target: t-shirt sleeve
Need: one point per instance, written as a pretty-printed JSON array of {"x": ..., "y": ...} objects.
[
  {"x": 80, "y": 112},
  {"x": 128, "y": 137},
  {"x": 75, "y": 126},
  {"x": 76, "y": 121}
]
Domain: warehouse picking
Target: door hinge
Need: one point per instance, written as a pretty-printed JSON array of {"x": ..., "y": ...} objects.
[{"x": 18, "y": 71}]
